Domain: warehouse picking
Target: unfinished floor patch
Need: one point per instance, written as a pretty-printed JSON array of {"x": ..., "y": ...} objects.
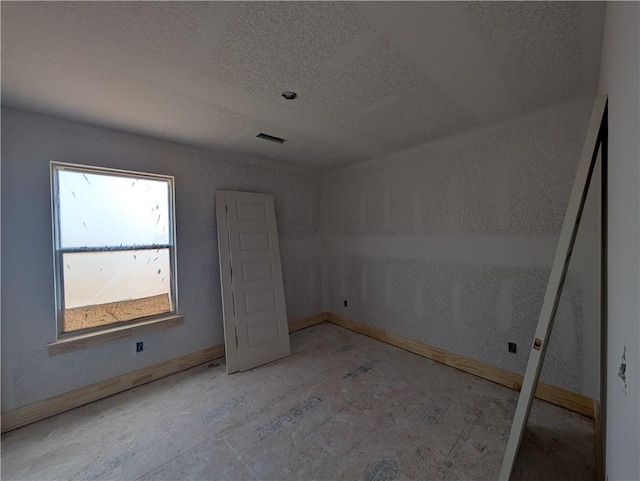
[{"x": 342, "y": 406}]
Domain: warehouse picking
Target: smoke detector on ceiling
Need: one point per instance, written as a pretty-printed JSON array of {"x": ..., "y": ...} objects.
[{"x": 289, "y": 95}]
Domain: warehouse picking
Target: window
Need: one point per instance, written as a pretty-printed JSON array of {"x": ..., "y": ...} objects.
[{"x": 114, "y": 247}]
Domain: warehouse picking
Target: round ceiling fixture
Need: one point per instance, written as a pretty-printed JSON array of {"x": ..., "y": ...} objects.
[{"x": 289, "y": 95}]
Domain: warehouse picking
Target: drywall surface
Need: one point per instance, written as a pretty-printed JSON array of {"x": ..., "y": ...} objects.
[
  {"x": 619, "y": 79},
  {"x": 451, "y": 244},
  {"x": 29, "y": 143}
]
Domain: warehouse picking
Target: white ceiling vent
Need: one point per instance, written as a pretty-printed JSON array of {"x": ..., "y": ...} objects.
[{"x": 271, "y": 138}]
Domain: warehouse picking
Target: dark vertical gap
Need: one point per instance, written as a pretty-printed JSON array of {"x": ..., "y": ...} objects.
[
  {"x": 604, "y": 146},
  {"x": 173, "y": 264},
  {"x": 59, "y": 256}
]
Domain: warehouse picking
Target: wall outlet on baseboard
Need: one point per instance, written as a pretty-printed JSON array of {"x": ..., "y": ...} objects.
[
  {"x": 139, "y": 346},
  {"x": 346, "y": 303},
  {"x": 513, "y": 348}
]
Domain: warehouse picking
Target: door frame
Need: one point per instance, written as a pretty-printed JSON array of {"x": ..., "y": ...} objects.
[{"x": 595, "y": 144}]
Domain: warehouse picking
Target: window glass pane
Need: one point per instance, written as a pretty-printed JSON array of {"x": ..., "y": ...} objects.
[
  {"x": 101, "y": 277},
  {"x": 98, "y": 210},
  {"x": 103, "y": 288}
]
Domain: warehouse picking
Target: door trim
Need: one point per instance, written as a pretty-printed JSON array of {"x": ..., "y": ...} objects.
[{"x": 226, "y": 286}]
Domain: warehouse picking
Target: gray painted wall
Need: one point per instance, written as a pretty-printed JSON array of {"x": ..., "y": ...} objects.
[
  {"x": 29, "y": 142},
  {"x": 451, "y": 244},
  {"x": 619, "y": 78}
]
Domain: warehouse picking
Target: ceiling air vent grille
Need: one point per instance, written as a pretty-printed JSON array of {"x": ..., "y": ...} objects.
[{"x": 271, "y": 138}]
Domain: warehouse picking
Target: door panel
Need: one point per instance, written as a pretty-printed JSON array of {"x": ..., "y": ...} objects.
[
  {"x": 261, "y": 301},
  {"x": 262, "y": 332},
  {"x": 258, "y": 312},
  {"x": 254, "y": 241},
  {"x": 256, "y": 270},
  {"x": 251, "y": 212}
]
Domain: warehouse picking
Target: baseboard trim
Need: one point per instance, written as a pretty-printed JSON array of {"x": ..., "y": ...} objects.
[
  {"x": 31, "y": 413},
  {"x": 16, "y": 418},
  {"x": 37, "y": 411},
  {"x": 555, "y": 395},
  {"x": 308, "y": 322},
  {"x": 600, "y": 476}
]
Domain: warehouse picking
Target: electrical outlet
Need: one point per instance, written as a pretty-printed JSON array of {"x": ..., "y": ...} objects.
[
  {"x": 139, "y": 346},
  {"x": 345, "y": 303},
  {"x": 513, "y": 347}
]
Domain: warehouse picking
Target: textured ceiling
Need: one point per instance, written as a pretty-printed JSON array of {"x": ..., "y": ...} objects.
[{"x": 372, "y": 77}]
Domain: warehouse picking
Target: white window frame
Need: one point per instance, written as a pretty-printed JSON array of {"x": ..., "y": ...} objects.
[{"x": 58, "y": 253}]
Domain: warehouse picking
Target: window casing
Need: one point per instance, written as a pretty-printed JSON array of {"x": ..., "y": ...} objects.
[{"x": 114, "y": 248}]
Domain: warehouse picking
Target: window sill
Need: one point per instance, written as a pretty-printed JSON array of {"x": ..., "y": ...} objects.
[{"x": 83, "y": 341}]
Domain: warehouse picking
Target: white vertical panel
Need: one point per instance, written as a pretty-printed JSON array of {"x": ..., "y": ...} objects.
[{"x": 554, "y": 287}]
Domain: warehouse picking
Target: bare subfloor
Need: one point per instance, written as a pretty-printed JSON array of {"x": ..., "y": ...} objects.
[{"x": 343, "y": 406}]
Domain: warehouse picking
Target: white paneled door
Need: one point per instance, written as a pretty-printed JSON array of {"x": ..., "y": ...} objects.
[{"x": 254, "y": 311}]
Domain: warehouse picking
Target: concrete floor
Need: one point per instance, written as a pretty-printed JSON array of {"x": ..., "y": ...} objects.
[{"x": 343, "y": 406}]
